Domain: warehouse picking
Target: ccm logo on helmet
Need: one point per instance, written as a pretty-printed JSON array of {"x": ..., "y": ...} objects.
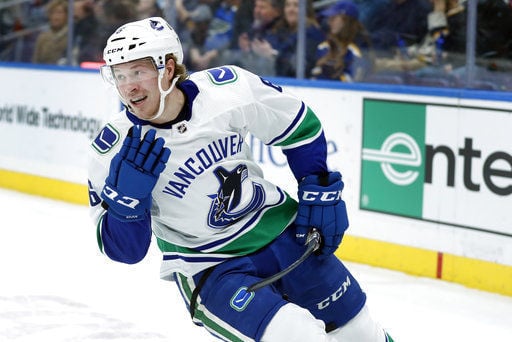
[
  {"x": 114, "y": 50},
  {"x": 325, "y": 196}
]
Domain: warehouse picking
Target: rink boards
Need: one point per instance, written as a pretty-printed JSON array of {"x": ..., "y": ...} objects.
[{"x": 428, "y": 172}]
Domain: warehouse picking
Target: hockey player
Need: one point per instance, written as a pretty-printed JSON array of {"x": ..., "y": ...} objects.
[{"x": 174, "y": 163}]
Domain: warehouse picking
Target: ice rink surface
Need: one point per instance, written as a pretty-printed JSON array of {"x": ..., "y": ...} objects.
[{"x": 56, "y": 286}]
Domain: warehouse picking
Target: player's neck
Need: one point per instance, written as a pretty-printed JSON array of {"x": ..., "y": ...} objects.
[{"x": 174, "y": 103}]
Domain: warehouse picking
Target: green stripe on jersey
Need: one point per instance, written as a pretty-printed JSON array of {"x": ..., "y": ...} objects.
[
  {"x": 98, "y": 233},
  {"x": 308, "y": 128},
  {"x": 271, "y": 224},
  {"x": 169, "y": 247}
]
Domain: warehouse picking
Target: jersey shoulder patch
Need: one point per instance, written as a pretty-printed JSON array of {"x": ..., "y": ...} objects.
[
  {"x": 222, "y": 75},
  {"x": 106, "y": 139}
]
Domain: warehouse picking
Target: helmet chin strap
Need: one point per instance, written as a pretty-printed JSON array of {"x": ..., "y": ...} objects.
[{"x": 163, "y": 94}]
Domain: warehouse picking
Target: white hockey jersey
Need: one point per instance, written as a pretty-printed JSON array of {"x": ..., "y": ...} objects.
[{"x": 211, "y": 202}]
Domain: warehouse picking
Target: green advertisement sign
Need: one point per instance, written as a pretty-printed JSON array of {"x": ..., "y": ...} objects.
[{"x": 393, "y": 157}]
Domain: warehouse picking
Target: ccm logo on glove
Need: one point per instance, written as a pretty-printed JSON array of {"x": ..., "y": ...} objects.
[
  {"x": 321, "y": 207},
  {"x": 326, "y": 196},
  {"x": 124, "y": 200}
]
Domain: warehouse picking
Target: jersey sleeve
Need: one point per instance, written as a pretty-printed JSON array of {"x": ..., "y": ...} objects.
[
  {"x": 279, "y": 118},
  {"x": 308, "y": 159}
]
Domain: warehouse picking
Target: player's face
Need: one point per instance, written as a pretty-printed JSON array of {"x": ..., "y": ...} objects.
[{"x": 137, "y": 83}]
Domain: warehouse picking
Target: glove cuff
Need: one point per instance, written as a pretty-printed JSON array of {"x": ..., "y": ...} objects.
[
  {"x": 124, "y": 217},
  {"x": 325, "y": 179},
  {"x": 125, "y": 208}
]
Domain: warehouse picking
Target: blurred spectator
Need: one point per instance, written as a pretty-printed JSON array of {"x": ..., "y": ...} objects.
[
  {"x": 183, "y": 10},
  {"x": 51, "y": 45},
  {"x": 197, "y": 55},
  {"x": 20, "y": 25},
  {"x": 242, "y": 21},
  {"x": 494, "y": 45},
  {"x": 110, "y": 14},
  {"x": 266, "y": 13},
  {"x": 7, "y": 25},
  {"x": 400, "y": 24},
  {"x": 494, "y": 30},
  {"x": 35, "y": 13},
  {"x": 255, "y": 48},
  {"x": 368, "y": 9},
  {"x": 220, "y": 32},
  {"x": 149, "y": 8},
  {"x": 453, "y": 16},
  {"x": 284, "y": 38},
  {"x": 114, "y": 13},
  {"x": 210, "y": 34},
  {"x": 443, "y": 49},
  {"x": 186, "y": 10},
  {"x": 85, "y": 31},
  {"x": 446, "y": 33},
  {"x": 494, "y": 26},
  {"x": 345, "y": 55}
]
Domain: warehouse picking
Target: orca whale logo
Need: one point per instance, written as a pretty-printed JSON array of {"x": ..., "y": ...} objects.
[
  {"x": 156, "y": 25},
  {"x": 225, "y": 210}
]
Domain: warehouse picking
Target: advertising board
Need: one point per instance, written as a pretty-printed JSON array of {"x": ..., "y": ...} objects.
[{"x": 438, "y": 163}]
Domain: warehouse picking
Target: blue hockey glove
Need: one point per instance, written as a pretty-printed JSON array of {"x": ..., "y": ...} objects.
[
  {"x": 321, "y": 207},
  {"x": 133, "y": 174}
]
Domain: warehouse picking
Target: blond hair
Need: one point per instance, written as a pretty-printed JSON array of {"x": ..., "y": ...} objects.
[{"x": 180, "y": 69}]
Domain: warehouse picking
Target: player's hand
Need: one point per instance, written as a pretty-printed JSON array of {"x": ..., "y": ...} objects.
[
  {"x": 321, "y": 207},
  {"x": 133, "y": 174}
]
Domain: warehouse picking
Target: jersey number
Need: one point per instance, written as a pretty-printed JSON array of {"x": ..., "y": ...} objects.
[
  {"x": 94, "y": 199},
  {"x": 272, "y": 85}
]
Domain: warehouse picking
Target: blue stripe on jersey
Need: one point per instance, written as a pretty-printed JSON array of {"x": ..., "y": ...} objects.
[
  {"x": 181, "y": 290},
  {"x": 300, "y": 115},
  {"x": 192, "y": 258}
]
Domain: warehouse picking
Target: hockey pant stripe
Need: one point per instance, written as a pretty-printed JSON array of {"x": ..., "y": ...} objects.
[{"x": 203, "y": 317}]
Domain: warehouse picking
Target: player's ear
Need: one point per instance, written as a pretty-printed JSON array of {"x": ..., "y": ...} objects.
[
  {"x": 169, "y": 71},
  {"x": 170, "y": 68}
]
